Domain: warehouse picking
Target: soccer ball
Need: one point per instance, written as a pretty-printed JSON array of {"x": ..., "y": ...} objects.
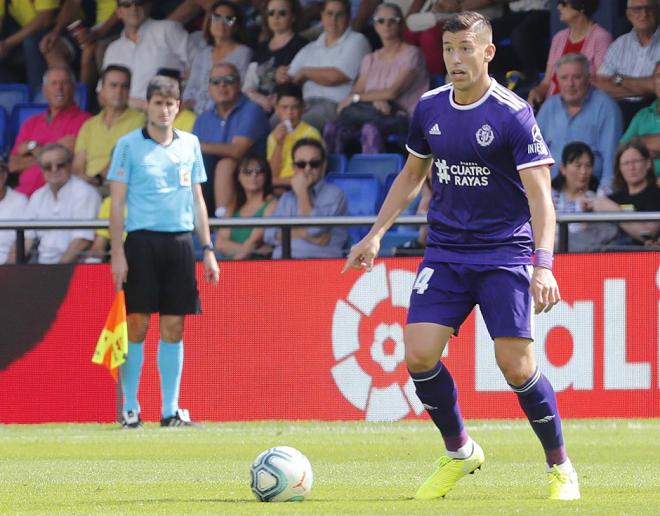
[{"x": 281, "y": 474}]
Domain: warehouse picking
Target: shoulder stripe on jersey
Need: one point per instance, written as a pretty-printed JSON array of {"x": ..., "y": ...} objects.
[
  {"x": 506, "y": 92},
  {"x": 546, "y": 161},
  {"x": 437, "y": 90},
  {"x": 506, "y": 98}
]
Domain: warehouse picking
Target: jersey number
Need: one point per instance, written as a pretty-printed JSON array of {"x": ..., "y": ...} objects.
[{"x": 422, "y": 280}]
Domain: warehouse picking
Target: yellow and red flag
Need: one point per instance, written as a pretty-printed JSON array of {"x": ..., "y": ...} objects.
[{"x": 112, "y": 346}]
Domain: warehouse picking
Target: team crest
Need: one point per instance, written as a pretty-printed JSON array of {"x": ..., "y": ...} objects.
[{"x": 485, "y": 135}]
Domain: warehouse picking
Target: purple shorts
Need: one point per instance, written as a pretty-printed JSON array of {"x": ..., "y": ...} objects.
[{"x": 445, "y": 293}]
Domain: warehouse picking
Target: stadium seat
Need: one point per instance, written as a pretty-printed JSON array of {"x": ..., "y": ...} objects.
[
  {"x": 378, "y": 165},
  {"x": 4, "y": 128},
  {"x": 13, "y": 94},
  {"x": 363, "y": 194},
  {"x": 81, "y": 97},
  {"x": 398, "y": 235},
  {"x": 19, "y": 114},
  {"x": 337, "y": 164}
]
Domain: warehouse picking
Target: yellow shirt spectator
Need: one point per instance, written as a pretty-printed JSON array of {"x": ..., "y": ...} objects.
[
  {"x": 23, "y": 11},
  {"x": 98, "y": 140},
  {"x": 185, "y": 120},
  {"x": 303, "y": 130}
]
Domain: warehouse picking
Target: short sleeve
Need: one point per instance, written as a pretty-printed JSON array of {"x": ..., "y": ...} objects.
[
  {"x": 417, "y": 143},
  {"x": 120, "y": 165},
  {"x": 527, "y": 144}
]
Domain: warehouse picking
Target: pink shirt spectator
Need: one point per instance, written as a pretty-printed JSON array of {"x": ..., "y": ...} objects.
[
  {"x": 381, "y": 73},
  {"x": 594, "y": 48},
  {"x": 42, "y": 130}
]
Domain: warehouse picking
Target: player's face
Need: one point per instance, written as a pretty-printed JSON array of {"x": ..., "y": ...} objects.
[
  {"x": 633, "y": 167},
  {"x": 307, "y": 161},
  {"x": 115, "y": 90},
  {"x": 289, "y": 108},
  {"x": 161, "y": 111},
  {"x": 573, "y": 82},
  {"x": 578, "y": 173},
  {"x": 466, "y": 56}
]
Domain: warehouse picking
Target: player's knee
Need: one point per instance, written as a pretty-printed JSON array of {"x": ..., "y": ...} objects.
[
  {"x": 420, "y": 359},
  {"x": 515, "y": 372}
]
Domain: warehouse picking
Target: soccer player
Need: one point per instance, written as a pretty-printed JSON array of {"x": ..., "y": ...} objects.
[
  {"x": 491, "y": 213},
  {"x": 156, "y": 171}
]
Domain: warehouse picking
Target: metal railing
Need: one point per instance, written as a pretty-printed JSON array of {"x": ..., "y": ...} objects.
[{"x": 287, "y": 223}]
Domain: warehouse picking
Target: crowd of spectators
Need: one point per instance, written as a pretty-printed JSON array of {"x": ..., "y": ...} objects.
[{"x": 272, "y": 87}]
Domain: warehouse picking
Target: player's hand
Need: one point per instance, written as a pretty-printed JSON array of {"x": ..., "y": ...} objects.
[
  {"x": 545, "y": 290},
  {"x": 119, "y": 269},
  {"x": 362, "y": 254},
  {"x": 211, "y": 269}
]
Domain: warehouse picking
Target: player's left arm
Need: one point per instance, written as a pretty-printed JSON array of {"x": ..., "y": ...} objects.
[
  {"x": 211, "y": 269},
  {"x": 536, "y": 181}
]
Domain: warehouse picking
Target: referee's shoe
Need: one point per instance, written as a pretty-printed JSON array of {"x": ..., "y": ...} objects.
[{"x": 180, "y": 418}]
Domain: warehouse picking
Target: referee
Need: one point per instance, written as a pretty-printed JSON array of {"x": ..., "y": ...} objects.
[{"x": 156, "y": 173}]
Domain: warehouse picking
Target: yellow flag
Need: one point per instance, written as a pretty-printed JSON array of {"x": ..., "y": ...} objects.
[{"x": 112, "y": 346}]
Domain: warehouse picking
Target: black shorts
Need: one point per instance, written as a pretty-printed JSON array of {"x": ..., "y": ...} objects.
[{"x": 161, "y": 273}]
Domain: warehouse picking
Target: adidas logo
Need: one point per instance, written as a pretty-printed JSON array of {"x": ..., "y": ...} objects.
[
  {"x": 545, "y": 419},
  {"x": 435, "y": 130}
]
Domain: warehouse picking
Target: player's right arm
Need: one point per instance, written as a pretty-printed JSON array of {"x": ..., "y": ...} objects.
[
  {"x": 117, "y": 256},
  {"x": 405, "y": 188}
]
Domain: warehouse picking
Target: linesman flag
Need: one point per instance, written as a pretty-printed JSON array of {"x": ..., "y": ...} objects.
[{"x": 112, "y": 346}]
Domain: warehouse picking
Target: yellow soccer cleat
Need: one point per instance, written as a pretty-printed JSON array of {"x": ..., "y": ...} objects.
[
  {"x": 563, "y": 484},
  {"x": 448, "y": 472}
]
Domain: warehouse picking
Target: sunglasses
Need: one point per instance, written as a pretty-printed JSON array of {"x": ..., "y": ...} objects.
[
  {"x": 129, "y": 3},
  {"x": 55, "y": 166},
  {"x": 277, "y": 12},
  {"x": 312, "y": 163},
  {"x": 389, "y": 21},
  {"x": 225, "y": 80},
  {"x": 252, "y": 171},
  {"x": 229, "y": 21}
]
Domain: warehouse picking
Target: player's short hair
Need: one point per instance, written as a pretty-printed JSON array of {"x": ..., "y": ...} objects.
[
  {"x": 574, "y": 57},
  {"x": 163, "y": 86},
  {"x": 308, "y": 142},
  {"x": 469, "y": 20},
  {"x": 288, "y": 89},
  {"x": 116, "y": 68},
  {"x": 68, "y": 155}
]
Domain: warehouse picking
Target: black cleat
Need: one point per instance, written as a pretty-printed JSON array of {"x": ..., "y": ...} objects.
[
  {"x": 131, "y": 420},
  {"x": 181, "y": 418}
]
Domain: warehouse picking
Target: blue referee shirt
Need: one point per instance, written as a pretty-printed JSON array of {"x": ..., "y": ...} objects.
[{"x": 159, "y": 180}]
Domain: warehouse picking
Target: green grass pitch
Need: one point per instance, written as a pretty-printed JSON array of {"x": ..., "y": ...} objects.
[{"x": 359, "y": 468}]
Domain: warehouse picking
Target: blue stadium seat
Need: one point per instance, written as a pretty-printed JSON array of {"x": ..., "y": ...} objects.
[
  {"x": 399, "y": 235},
  {"x": 13, "y": 94},
  {"x": 4, "y": 131},
  {"x": 379, "y": 165},
  {"x": 20, "y": 114},
  {"x": 81, "y": 97},
  {"x": 363, "y": 194},
  {"x": 337, "y": 164}
]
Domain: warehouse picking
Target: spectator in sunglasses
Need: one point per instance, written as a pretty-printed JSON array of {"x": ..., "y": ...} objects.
[
  {"x": 145, "y": 45},
  {"x": 253, "y": 183},
  {"x": 391, "y": 81},
  {"x": 310, "y": 196},
  {"x": 227, "y": 131},
  {"x": 224, "y": 36},
  {"x": 271, "y": 57}
]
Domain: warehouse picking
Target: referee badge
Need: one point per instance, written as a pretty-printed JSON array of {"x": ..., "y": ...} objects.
[{"x": 185, "y": 176}]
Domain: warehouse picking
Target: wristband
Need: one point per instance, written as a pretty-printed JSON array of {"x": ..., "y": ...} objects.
[
  {"x": 207, "y": 247},
  {"x": 543, "y": 258}
]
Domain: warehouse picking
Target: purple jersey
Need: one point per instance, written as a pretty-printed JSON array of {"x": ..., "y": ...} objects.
[{"x": 479, "y": 211}]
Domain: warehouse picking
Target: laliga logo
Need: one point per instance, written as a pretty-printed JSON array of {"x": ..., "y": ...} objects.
[{"x": 382, "y": 394}]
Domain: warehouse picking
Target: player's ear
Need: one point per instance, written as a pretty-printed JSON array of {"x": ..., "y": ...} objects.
[{"x": 489, "y": 53}]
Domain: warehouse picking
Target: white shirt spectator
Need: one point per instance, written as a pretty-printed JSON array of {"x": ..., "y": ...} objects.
[
  {"x": 530, "y": 5},
  {"x": 628, "y": 57},
  {"x": 12, "y": 207},
  {"x": 161, "y": 44},
  {"x": 345, "y": 55},
  {"x": 76, "y": 200}
]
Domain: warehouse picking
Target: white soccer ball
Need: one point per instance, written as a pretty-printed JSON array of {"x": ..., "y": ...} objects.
[{"x": 281, "y": 474}]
